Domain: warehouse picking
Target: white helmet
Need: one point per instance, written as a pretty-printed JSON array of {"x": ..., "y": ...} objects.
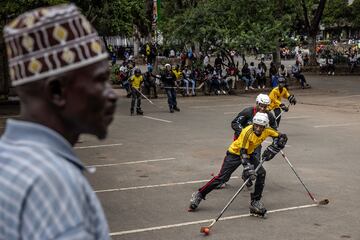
[
  {"x": 263, "y": 99},
  {"x": 167, "y": 65},
  {"x": 261, "y": 119}
]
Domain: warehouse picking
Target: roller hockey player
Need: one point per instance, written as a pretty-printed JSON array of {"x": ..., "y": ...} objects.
[
  {"x": 136, "y": 80},
  {"x": 241, "y": 151},
  {"x": 276, "y": 95},
  {"x": 245, "y": 117}
]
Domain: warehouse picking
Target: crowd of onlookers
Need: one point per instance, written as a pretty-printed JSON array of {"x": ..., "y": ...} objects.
[
  {"x": 213, "y": 79},
  {"x": 220, "y": 76}
]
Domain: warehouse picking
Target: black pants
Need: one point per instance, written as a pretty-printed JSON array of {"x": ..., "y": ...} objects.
[
  {"x": 277, "y": 112},
  {"x": 261, "y": 81},
  {"x": 171, "y": 94},
  {"x": 135, "y": 97},
  {"x": 230, "y": 164}
]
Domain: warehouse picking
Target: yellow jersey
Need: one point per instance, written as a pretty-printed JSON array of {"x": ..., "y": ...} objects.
[
  {"x": 136, "y": 81},
  {"x": 178, "y": 74},
  {"x": 249, "y": 141},
  {"x": 275, "y": 97}
]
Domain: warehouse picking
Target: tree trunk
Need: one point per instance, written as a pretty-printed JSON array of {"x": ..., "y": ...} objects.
[
  {"x": 276, "y": 55},
  {"x": 312, "y": 49},
  {"x": 136, "y": 36},
  {"x": 313, "y": 27}
]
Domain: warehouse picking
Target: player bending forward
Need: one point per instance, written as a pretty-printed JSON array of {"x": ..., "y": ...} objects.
[{"x": 241, "y": 152}]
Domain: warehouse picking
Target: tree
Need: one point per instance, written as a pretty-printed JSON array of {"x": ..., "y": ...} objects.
[
  {"x": 312, "y": 22},
  {"x": 228, "y": 24}
]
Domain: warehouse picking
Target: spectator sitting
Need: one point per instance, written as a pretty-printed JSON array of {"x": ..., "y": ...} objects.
[
  {"x": 330, "y": 65},
  {"x": 188, "y": 77},
  {"x": 282, "y": 72},
  {"x": 246, "y": 77},
  {"x": 273, "y": 75},
  {"x": 218, "y": 64},
  {"x": 178, "y": 73},
  {"x": 260, "y": 76},
  {"x": 299, "y": 58},
  {"x": 306, "y": 60},
  {"x": 352, "y": 62},
  {"x": 172, "y": 53},
  {"x": 124, "y": 78},
  {"x": 232, "y": 72},
  {"x": 252, "y": 72},
  {"x": 322, "y": 63},
  {"x": 206, "y": 60},
  {"x": 296, "y": 71}
]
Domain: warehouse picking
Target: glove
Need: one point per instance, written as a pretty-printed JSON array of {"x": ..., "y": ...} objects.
[
  {"x": 273, "y": 149},
  {"x": 249, "y": 172},
  {"x": 280, "y": 141},
  {"x": 292, "y": 99},
  {"x": 284, "y": 108},
  {"x": 270, "y": 153},
  {"x": 245, "y": 158}
]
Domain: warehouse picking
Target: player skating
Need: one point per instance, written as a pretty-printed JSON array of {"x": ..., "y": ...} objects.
[{"x": 241, "y": 152}]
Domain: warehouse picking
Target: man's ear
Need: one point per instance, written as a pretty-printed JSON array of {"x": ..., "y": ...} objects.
[{"x": 55, "y": 89}]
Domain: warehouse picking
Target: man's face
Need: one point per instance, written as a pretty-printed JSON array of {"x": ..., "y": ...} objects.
[
  {"x": 90, "y": 100},
  {"x": 261, "y": 107},
  {"x": 258, "y": 129}
]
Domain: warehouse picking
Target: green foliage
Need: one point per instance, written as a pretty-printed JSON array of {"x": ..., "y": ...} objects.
[
  {"x": 227, "y": 24},
  {"x": 336, "y": 13},
  {"x": 354, "y": 15}
]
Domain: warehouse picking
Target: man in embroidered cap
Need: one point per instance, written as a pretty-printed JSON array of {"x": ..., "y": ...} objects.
[{"x": 60, "y": 70}]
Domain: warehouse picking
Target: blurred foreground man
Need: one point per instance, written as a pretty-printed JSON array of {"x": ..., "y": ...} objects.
[{"x": 60, "y": 70}]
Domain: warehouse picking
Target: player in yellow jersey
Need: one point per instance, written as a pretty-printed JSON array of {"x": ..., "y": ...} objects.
[
  {"x": 276, "y": 95},
  {"x": 136, "y": 80},
  {"x": 241, "y": 152}
]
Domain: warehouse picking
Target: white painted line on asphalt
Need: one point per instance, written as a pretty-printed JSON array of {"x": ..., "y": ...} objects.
[
  {"x": 157, "y": 119},
  {"x": 204, "y": 221},
  {"x": 99, "y": 146},
  {"x": 10, "y": 116},
  {"x": 336, "y": 125},
  {"x": 350, "y": 96},
  {"x": 133, "y": 162},
  {"x": 155, "y": 186}
]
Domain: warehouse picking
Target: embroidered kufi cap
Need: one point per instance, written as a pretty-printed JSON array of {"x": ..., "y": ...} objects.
[{"x": 49, "y": 41}]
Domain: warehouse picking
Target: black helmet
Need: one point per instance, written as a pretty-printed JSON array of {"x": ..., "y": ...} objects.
[
  {"x": 137, "y": 70},
  {"x": 282, "y": 81}
]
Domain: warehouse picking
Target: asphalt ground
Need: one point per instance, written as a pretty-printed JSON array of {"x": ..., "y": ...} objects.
[{"x": 150, "y": 165}]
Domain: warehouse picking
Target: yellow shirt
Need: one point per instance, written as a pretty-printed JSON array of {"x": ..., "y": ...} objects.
[
  {"x": 178, "y": 74},
  {"x": 275, "y": 97},
  {"x": 136, "y": 81},
  {"x": 249, "y": 141}
]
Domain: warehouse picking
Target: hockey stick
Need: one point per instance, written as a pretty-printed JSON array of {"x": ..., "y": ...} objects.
[
  {"x": 322, "y": 202},
  {"x": 146, "y": 98},
  {"x": 282, "y": 111},
  {"x": 206, "y": 230}
]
